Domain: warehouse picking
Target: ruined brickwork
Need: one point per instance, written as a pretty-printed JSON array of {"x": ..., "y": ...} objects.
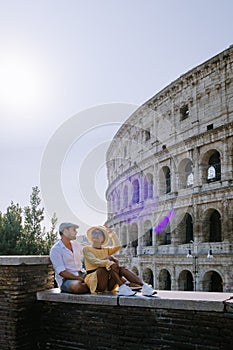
[{"x": 170, "y": 172}]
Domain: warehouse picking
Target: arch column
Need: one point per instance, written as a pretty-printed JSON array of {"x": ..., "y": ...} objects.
[
  {"x": 197, "y": 180},
  {"x": 174, "y": 177},
  {"x": 174, "y": 279},
  {"x": 226, "y": 166},
  {"x": 155, "y": 274},
  {"x": 226, "y": 221},
  {"x": 197, "y": 223},
  {"x": 140, "y": 237}
]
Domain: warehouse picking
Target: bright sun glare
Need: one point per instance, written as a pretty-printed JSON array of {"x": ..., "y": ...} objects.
[{"x": 20, "y": 83}]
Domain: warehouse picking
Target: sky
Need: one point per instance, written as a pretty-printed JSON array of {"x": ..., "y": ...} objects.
[{"x": 72, "y": 71}]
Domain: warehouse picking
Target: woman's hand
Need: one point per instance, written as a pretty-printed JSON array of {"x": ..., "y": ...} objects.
[
  {"x": 112, "y": 258},
  {"x": 115, "y": 267}
]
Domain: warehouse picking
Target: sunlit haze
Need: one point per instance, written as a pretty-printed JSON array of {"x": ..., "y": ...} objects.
[{"x": 60, "y": 58}]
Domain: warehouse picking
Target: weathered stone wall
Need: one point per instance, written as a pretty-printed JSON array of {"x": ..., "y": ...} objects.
[
  {"x": 35, "y": 316},
  {"x": 172, "y": 320},
  {"x": 20, "y": 279}
]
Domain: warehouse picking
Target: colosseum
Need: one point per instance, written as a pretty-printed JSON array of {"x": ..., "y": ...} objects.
[{"x": 170, "y": 182}]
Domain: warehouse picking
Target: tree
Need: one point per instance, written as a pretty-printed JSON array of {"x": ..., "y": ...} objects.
[
  {"x": 34, "y": 240},
  {"x": 21, "y": 230},
  {"x": 10, "y": 229}
]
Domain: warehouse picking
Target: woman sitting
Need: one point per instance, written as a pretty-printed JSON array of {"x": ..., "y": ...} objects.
[{"x": 103, "y": 270}]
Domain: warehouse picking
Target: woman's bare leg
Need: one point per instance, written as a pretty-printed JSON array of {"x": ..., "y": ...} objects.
[
  {"x": 130, "y": 276},
  {"x": 78, "y": 287},
  {"x": 102, "y": 278}
]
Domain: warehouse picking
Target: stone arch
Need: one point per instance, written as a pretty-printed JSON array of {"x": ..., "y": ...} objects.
[
  {"x": 148, "y": 232},
  {"x": 133, "y": 237},
  {"x": 211, "y": 166},
  {"x": 148, "y": 186},
  {"x": 125, "y": 197},
  {"x": 164, "y": 236},
  {"x": 185, "y": 281},
  {"x": 164, "y": 180},
  {"x": 212, "y": 282},
  {"x": 185, "y": 229},
  {"x": 136, "y": 191},
  {"x": 135, "y": 270},
  {"x": 148, "y": 276},
  {"x": 118, "y": 200},
  {"x": 212, "y": 226},
  {"x": 164, "y": 280},
  {"x": 185, "y": 171}
]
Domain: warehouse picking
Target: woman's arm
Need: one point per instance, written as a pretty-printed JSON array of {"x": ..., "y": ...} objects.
[
  {"x": 116, "y": 243},
  {"x": 92, "y": 259}
]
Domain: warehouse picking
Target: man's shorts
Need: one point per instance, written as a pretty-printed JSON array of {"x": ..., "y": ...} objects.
[{"x": 65, "y": 286}]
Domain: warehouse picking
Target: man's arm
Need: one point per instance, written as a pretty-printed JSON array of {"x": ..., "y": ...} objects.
[{"x": 70, "y": 276}]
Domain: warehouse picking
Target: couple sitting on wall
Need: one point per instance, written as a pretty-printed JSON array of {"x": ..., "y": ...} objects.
[{"x": 103, "y": 272}]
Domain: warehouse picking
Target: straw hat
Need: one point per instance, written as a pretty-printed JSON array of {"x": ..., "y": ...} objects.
[{"x": 98, "y": 228}]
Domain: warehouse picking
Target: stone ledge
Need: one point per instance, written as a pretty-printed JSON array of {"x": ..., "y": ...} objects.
[
  {"x": 179, "y": 300},
  {"x": 55, "y": 295},
  {"x": 9, "y": 260}
]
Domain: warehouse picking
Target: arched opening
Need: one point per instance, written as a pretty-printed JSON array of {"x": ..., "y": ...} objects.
[
  {"x": 125, "y": 197},
  {"x": 212, "y": 226},
  {"x": 214, "y": 168},
  {"x": 133, "y": 238},
  {"x": 136, "y": 192},
  {"x": 148, "y": 276},
  {"x": 164, "y": 237},
  {"x": 215, "y": 227},
  {"x": 185, "y": 281},
  {"x": 118, "y": 200},
  {"x": 150, "y": 185},
  {"x": 135, "y": 270},
  {"x": 212, "y": 282},
  {"x": 165, "y": 180},
  {"x": 145, "y": 188},
  {"x": 188, "y": 228},
  {"x": 147, "y": 237},
  {"x": 185, "y": 173},
  {"x": 185, "y": 229},
  {"x": 168, "y": 180},
  {"x": 164, "y": 280}
]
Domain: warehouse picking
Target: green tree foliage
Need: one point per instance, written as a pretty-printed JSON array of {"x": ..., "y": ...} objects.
[
  {"x": 10, "y": 229},
  {"x": 21, "y": 230}
]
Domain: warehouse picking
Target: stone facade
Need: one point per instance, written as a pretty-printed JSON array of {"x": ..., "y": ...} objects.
[{"x": 170, "y": 172}]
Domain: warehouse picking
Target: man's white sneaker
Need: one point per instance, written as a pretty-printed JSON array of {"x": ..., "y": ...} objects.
[
  {"x": 147, "y": 290},
  {"x": 125, "y": 291}
]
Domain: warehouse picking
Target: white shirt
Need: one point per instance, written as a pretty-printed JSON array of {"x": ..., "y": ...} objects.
[{"x": 63, "y": 258}]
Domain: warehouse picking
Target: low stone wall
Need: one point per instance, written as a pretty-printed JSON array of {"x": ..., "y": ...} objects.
[
  {"x": 171, "y": 320},
  {"x": 35, "y": 316},
  {"x": 21, "y": 277}
]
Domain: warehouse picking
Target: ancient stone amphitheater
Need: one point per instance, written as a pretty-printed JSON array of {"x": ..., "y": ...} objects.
[{"x": 170, "y": 173}]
